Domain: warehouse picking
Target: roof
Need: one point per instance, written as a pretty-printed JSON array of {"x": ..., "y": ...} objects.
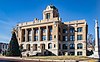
[{"x": 51, "y": 7}]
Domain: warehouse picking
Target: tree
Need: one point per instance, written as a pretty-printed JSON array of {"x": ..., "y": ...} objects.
[
  {"x": 13, "y": 48},
  {"x": 90, "y": 40}
]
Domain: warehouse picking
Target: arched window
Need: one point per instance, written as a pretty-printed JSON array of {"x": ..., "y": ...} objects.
[
  {"x": 21, "y": 46},
  {"x": 72, "y": 46},
  {"x": 28, "y": 47},
  {"x": 34, "y": 47},
  {"x": 49, "y": 46},
  {"x": 79, "y": 46},
  {"x": 48, "y": 16}
]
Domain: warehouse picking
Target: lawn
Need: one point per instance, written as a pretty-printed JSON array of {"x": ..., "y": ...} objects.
[{"x": 79, "y": 58}]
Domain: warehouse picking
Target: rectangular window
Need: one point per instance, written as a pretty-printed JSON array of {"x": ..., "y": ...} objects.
[
  {"x": 29, "y": 38},
  {"x": 54, "y": 45},
  {"x": 79, "y": 29},
  {"x": 79, "y": 53},
  {"x": 72, "y": 46},
  {"x": 29, "y": 32},
  {"x": 72, "y": 30},
  {"x": 64, "y": 46},
  {"x": 43, "y": 30},
  {"x": 64, "y": 31},
  {"x": 36, "y": 38},
  {"x": 43, "y": 37},
  {"x": 23, "y": 39},
  {"x": 48, "y": 16},
  {"x": 23, "y": 35},
  {"x": 50, "y": 37},
  {"x": 54, "y": 36},
  {"x": 79, "y": 37},
  {"x": 50, "y": 29},
  {"x": 72, "y": 38},
  {"x": 36, "y": 30},
  {"x": 64, "y": 38}
]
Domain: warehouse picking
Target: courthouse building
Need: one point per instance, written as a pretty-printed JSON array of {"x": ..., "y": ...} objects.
[{"x": 51, "y": 36}]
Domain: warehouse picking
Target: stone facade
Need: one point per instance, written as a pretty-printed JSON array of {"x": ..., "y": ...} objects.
[{"x": 51, "y": 36}]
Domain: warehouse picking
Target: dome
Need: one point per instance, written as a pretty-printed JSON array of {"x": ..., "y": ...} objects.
[{"x": 51, "y": 7}]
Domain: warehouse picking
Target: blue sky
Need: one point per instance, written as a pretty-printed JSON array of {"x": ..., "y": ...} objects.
[{"x": 13, "y": 12}]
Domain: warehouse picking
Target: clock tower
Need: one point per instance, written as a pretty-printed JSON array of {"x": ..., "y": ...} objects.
[{"x": 50, "y": 12}]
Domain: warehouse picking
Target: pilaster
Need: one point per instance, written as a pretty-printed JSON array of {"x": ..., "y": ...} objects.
[
  {"x": 26, "y": 35},
  {"x": 46, "y": 33},
  {"x": 32, "y": 34}
]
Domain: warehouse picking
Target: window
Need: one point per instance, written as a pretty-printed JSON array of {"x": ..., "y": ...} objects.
[
  {"x": 64, "y": 38},
  {"x": 79, "y": 37},
  {"x": 79, "y": 46},
  {"x": 64, "y": 31},
  {"x": 72, "y": 46},
  {"x": 29, "y": 35},
  {"x": 43, "y": 30},
  {"x": 35, "y": 38},
  {"x": 21, "y": 46},
  {"x": 42, "y": 46},
  {"x": 43, "y": 37},
  {"x": 64, "y": 46},
  {"x": 71, "y": 53},
  {"x": 28, "y": 47},
  {"x": 48, "y": 16},
  {"x": 36, "y": 30},
  {"x": 23, "y": 35},
  {"x": 79, "y": 29},
  {"x": 34, "y": 47},
  {"x": 50, "y": 28},
  {"x": 54, "y": 36},
  {"x": 29, "y": 32},
  {"x": 29, "y": 38},
  {"x": 72, "y": 38},
  {"x": 50, "y": 38},
  {"x": 23, "y": 39},
  {"x": 72, "y": 30},
  {"x": 79, "y": 53},
  {"x": 54, "y": 45},
  {"x": 49, "y": 46}
]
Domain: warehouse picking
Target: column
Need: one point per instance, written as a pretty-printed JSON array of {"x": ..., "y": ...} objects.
[
  {"x": 31, "y": 47},
  {"x": 46, "y": 33},
  {"x": 32, "y": 34},
  {"x": 39, "y": 35},
  {"x": 26, "y": 33}
]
